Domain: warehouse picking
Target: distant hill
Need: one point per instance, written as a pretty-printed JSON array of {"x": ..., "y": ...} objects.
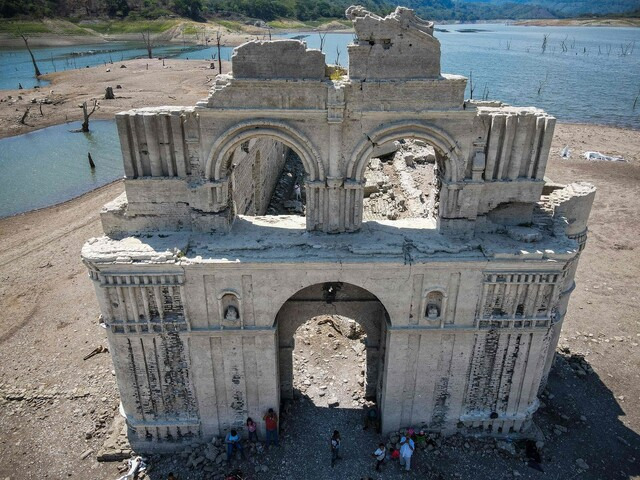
[
  {"x": 308, "y": 10},
  {"x": 570, "y": 8}
]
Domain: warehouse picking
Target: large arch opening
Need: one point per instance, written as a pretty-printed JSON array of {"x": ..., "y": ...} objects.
[
  {"x": 402, "y": 179},
  {"x": 266, "y": 177},
  {"x": 265, "y": 165},
  {"x": 331, "y": 339},
  {"x": 404, "y": 167}
]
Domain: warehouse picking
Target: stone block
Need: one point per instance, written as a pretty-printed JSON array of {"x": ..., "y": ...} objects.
[{"x": 287, "y": 59}]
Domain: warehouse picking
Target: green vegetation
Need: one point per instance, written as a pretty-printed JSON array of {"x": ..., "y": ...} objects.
[
  {"x": 131, "y": 26},
  {"x": 233, "y": 13},
  {"x": 27, "y": 28},
  {"x": 229, "y": 24}
]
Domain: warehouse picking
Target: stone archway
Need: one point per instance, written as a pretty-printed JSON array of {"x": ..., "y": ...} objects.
[
  {"x": 444, "y": 144},
  {"x": 342, "y": 299},
  {"x": 219, "y": 157}
]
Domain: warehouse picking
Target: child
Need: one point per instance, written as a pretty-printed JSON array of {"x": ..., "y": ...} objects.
[
  {"x": 251, "y": 428},
  {"x": 395, "y": 454},
  {"x": 421, "y": 439},
  {"x": 380, "y": 455},
  {"x": 233, "y": 441}
]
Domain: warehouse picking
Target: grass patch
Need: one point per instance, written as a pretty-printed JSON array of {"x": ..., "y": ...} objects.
[
  {"x": 230, "y": 25},
  {"x": 115, "y": 27},
  {"x": 13, "y": 27},
  {"x": 190, "y": 30},
  {"x": 284, "y": 24}
]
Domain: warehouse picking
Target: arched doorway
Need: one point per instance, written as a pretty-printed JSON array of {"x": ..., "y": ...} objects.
[{"x": 341, "y": 306}]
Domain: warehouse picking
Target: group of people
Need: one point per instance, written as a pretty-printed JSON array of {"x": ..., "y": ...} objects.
[
  {"x": 234, "y": 441},
  {"x": 403, "y": 454}
]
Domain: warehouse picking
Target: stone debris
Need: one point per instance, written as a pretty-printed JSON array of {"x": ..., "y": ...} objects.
[
  {"x": 402, "y": 184},
  {"x": 601, "y": 157}
]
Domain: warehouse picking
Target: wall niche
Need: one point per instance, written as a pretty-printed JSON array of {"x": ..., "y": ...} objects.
[
  {"x": 434, "y": 306},
  {"x": 230, "y": 310}
]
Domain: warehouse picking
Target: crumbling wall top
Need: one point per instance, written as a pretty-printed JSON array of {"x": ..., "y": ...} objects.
[
  {"x": 396, "y": 47},
  {"x": 285, "y": 59}
]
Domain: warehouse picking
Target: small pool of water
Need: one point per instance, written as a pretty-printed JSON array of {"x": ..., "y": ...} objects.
[{"x": 50, "y": 165}]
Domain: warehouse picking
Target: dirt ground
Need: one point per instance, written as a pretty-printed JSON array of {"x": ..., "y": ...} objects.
[
  {"x": 55, "y": 408},
  {"x": 144, "y": 82}
]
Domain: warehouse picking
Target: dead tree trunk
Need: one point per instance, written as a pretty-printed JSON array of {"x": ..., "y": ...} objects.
[
  {"x": 108, "y": 94},
  {"x": 218, "y": 37},
  {"x": 35, "y": 65},
  {"x": 24, "y": 116},
  {"x": 148, "y": 43},
  {"x": 91, "y": 164},
  {"x": 86, "y": 114}
]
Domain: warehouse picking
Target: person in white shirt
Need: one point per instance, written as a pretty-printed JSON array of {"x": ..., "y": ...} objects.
[
  {"x": 380, "y": 455},
  {"x": 406, "y": 450}
]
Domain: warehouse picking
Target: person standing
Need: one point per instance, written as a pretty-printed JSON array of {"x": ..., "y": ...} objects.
[
  {"x": 335, "y": 447},
  {"x": 380, "y": 455},
  {"x": 297, "y": 192},
  {"x": 406, "y": 451},
  {"x": 271, "y": 424},
  {"x": 252, "y": 429},
  {"x": 233, "y": 441}
]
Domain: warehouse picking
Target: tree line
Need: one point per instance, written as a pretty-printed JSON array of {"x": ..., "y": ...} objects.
[{"x": 304, "y": 10}]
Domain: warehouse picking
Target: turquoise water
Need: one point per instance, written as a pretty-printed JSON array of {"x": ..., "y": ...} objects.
[
  {"x": 16, "y": 66},
  {"x": 50, "y": 166}
]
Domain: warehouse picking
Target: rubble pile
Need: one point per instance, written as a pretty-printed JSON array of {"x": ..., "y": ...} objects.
[
  {"x": 400, "y": 183},
  {"x": 329, "y": 362}
]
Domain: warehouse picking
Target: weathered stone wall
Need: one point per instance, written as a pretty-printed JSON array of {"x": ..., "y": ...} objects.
[
  {"x": 258, "y": 164},
  {"x": 400, "y": 45},
  {"x": 277, "y": 59},
  {"x": 465, "y": 312}
]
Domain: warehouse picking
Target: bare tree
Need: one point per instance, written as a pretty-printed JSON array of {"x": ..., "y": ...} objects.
[
  {"x": 218, "y": 38},
  {"x": 322, "y": 38},
  {"x": 35, "y": 65},
  {"x": 544, "y": 42},
  {"x": 337, "y": 55},
  {"x": 86, "y": 114},
  {"x": 471, "y": 87},
  {"x": 24, "y": 116},
  {"x": 542, "y": 83},
  {"x": 148, "y": 42}
]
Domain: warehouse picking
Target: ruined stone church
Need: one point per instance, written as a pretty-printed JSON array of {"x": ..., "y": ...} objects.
[{"x": 201, "y": 292}]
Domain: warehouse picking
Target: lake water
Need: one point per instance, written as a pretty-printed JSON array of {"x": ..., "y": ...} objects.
[
  {"x": 586, "y": 74},
  {"x": 592, "y": 81},
  {"x": 50, "y": 165}
]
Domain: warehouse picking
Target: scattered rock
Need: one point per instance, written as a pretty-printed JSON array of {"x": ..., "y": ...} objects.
[{"x": 582, "y": 464}]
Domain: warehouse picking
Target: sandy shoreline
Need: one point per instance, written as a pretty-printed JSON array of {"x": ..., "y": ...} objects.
[{"x": 144, "y": 82}]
